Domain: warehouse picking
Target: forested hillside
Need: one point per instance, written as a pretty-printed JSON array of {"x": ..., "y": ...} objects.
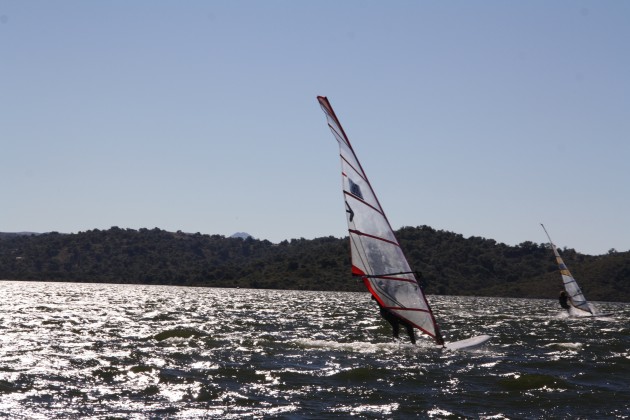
[{"x": 450, "y": 264}]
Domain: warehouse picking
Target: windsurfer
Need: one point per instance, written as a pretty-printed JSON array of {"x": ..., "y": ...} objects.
[
  {"x": 396, "y": 322},
  {"x": 564, "y": 300}
]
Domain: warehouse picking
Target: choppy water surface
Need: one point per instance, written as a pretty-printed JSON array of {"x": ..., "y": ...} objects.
[{"x": 119, "y": 351}]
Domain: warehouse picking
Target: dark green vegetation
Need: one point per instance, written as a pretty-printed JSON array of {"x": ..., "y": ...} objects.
[{"x": 450, "y": 263}]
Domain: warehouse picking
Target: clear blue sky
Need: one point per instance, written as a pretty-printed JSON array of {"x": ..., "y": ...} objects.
[{"x": 481, "y": 118}]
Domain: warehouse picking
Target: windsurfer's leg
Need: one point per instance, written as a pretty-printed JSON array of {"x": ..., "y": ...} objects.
[
  {"x": 393, "y": 321},
  {"x": 410, "y": 333},
  {"x": 438, "y": 337},
  {"x": 395, "y": 328}
]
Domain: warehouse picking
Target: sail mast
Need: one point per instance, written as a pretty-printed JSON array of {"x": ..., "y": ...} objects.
[{"x": 376, "y": 253}]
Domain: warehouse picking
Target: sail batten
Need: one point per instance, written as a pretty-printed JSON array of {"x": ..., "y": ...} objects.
[
  {"x": 350, "y": 194},
  {"x": 376, "y": 254},
  {"x": 357, "y": 232},
  {"x": 353, "y": 169}
]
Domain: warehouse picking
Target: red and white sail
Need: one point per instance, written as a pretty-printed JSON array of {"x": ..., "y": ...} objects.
[{"x": 376, "y": 254}]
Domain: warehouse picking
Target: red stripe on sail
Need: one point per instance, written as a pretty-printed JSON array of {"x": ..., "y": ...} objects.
[
  {"x": 359, "y": 173},
  {"x": 364, "y": 202},
  {"x": 357, "y": 232}
]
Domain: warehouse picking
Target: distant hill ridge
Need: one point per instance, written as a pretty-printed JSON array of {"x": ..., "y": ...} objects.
[
  {"x": 242, "y": 235},
  {"x": 11, "y": 234},
  {"x": 450, "y": 264}
]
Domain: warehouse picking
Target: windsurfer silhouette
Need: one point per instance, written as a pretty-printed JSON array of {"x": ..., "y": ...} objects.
[
  {"x": 396, "y": 322},
  {"x": 564, "y": 300}
]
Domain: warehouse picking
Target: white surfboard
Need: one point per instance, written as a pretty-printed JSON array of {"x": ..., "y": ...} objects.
[
  {"x": 597, "y": 316},
  {"x": 581, "y": 314},
  {"x": 468, "y": 343}
]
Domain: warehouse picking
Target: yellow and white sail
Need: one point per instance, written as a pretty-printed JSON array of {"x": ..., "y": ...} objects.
[{"x": 576, "y": 296}]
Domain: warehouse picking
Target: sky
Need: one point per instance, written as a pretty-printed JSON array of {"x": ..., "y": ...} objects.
[{"x": 481, "y": 118}]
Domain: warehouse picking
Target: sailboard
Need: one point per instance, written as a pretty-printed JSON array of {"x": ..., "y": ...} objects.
[
  {"x": 468, "y": 343},
  {"x": 376, "y": 255},
  {"x": 576, "y": 297}
]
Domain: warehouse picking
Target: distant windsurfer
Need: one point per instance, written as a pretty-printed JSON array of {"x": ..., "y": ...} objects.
[
  {"x": 396, "y": 322},
  {"x": 564, "y": 300}
]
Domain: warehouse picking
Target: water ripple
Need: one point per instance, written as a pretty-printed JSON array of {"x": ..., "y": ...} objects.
[{"x": 104, "y": 351}]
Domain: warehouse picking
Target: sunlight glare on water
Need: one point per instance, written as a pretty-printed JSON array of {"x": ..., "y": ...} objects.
[{"x": 72, "y": 350}]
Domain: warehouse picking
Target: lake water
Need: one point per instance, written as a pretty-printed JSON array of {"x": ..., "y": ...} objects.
[{"x": 102, "y": 351}]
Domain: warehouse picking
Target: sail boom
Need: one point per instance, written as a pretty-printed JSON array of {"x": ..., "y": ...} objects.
[
  {"x": 398, "y": 308},
  {"x": 390, "y": 276},
  {"x": 362, "y": 275},
  {"x": 393, "y": 279}
]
